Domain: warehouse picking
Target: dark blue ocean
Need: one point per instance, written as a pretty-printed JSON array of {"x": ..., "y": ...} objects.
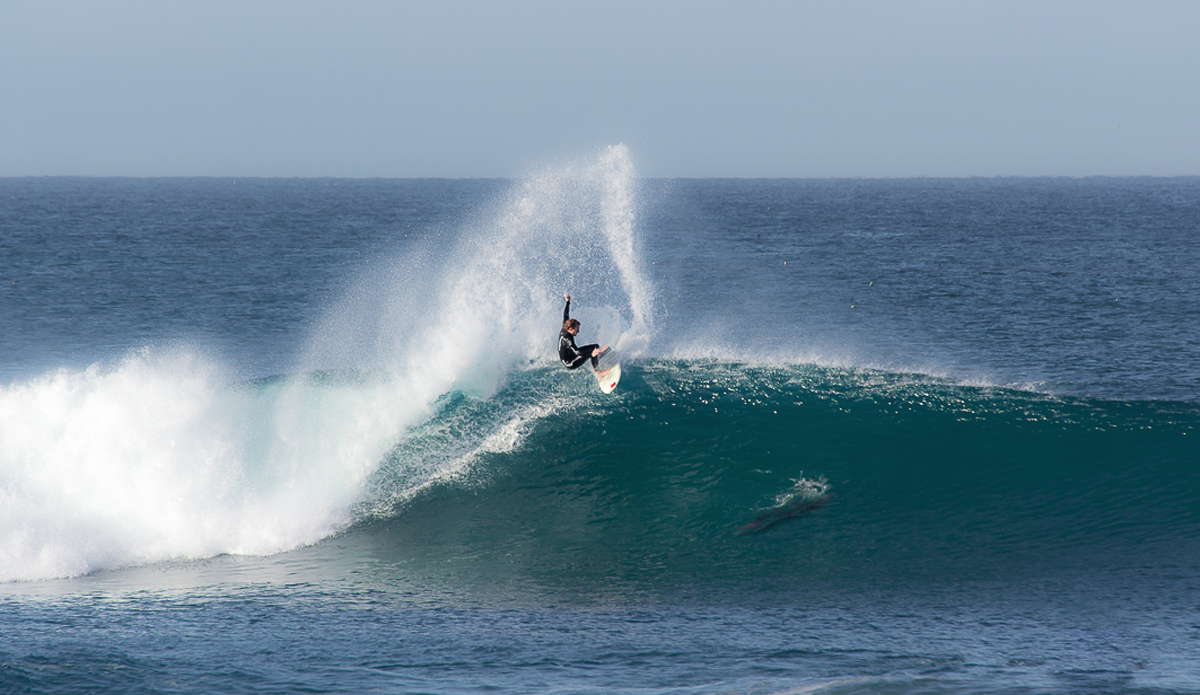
[{"x": 873, "y": 436}]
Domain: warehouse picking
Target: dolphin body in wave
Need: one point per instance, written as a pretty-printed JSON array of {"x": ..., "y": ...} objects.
[{"x": 790, "y": 508}]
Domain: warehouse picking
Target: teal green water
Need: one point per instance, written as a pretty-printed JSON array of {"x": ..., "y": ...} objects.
[{"x": 927, "y": 481}]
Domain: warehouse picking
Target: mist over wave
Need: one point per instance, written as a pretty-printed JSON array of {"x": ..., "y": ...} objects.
[
  {"x": 476, "y": 300},
  {"x": 161, "y": 456}
]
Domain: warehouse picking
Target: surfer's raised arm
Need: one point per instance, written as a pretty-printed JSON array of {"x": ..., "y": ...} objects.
[{"x": 567, "y": 309}]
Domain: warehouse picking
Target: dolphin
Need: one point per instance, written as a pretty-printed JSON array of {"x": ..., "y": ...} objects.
[{"x": 792, "y": 507}]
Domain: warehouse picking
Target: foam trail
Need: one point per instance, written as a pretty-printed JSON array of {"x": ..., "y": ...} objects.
[{"x": 158, "y": 457}]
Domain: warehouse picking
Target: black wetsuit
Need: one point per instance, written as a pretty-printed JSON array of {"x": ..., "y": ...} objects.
[{"x": 571, "y": 355}]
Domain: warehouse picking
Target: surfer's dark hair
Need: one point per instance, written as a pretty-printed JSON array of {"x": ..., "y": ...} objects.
[{"x": 569, "y": 324}]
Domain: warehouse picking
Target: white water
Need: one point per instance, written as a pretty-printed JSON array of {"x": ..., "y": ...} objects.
[{"x": 159, "y": 457}]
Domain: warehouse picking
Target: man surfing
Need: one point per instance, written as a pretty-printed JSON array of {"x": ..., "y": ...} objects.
[{"x": 571, "y": 355}]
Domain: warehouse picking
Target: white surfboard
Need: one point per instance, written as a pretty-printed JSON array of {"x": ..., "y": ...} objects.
[{"x": 608, "y": 370}]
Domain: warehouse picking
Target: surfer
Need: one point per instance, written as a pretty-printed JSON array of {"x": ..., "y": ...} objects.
[{"x": 571, "y": 355}]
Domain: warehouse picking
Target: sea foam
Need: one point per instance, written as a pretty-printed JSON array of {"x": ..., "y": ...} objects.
[{"x": 159, "y": 458}]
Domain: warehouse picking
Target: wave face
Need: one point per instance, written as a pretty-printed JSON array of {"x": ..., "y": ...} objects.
[{"x": 710, "y": 473}]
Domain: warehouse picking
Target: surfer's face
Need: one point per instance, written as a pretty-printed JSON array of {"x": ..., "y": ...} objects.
[{"x": 573, "y": 330}]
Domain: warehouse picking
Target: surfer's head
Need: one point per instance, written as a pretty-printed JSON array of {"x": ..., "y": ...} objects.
[{"x": 571, "y": 325}]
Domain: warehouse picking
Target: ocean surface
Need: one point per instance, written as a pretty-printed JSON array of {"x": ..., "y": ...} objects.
[{"x": 873, "y": 436}]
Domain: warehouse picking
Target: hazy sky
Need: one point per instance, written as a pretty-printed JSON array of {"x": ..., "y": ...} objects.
[{"x": 739, "y": 88}]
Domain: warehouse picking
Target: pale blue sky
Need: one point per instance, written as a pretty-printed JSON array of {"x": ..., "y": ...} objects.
[{"x": 455, "y": 88}]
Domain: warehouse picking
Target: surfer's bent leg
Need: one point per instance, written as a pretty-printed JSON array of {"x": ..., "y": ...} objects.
[
  {"x": 592, "y": 351},
  {"x": 585, "y": 353}
]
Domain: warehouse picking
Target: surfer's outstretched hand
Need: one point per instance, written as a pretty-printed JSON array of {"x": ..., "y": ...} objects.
[{"x": 567, "y": 296}]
